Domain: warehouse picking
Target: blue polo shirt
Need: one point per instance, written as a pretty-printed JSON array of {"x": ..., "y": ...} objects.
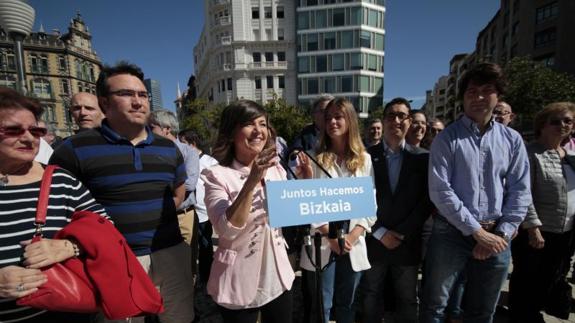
[{"x": 134, "y": 183}]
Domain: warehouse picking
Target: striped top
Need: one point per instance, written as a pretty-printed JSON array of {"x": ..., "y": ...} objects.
[
  {"x": 17, "y": 215},
  {"x": 134, "y": 183}
]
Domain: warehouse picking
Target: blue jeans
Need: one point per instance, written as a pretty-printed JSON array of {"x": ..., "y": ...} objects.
[
  {"x": 404, "y": 280},
  {"x": 450, "y": 253},
  {"x": 338, "y": 275}
]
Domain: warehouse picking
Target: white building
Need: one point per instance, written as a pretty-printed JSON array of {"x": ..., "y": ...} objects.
[
  {"x": 340, "y": 50},
  {"x": 246, "y": 50}
]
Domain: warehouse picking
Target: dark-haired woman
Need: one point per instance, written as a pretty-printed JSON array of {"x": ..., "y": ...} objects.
[
  {"x": 20, "y": 178},
  {"x": 251, "y": 273},
  {"x": 544, "y": 245}
]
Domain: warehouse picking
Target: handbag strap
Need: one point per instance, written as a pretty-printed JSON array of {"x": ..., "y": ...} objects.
[{"x": 43, "y": 197}]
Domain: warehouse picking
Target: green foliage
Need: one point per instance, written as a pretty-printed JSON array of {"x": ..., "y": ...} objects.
[
  {"x": 204, "y": 118},
  {"x": 288, "y": 120},
  {"x": 533, "y": 85}
]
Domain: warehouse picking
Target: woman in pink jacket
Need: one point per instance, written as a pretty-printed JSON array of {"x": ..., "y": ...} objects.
[{"x": 251, "y": 272}]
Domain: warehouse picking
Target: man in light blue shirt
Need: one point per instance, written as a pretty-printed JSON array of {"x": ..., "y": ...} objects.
[{"x": 479, "y": 182}]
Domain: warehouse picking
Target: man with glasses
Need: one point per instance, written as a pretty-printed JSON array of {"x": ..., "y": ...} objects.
[
  {"x": 479, "y": 181},
  {"x": 139, "y": 178},
  {"x": 503, "y": 113},
  {"x": 403, "y": 205}
]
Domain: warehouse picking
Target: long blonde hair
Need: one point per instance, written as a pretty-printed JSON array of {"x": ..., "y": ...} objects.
[{"x": 354, "y": 151}]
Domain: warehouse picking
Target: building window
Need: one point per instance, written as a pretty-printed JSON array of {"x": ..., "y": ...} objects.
[
  {"x": 371, "y": 62},
  {"x": 39, "y": 63},
  {"x": 312, "y": 42},
  {"x": 229, "y": 84},
  {"x": 280, "y": 34},
  {"x": 268, "y": 12},
  {"x": 281, "y": 56},
  {"x": 321, "y": 63},
  {"x": 49, "y": 114},
  {"x": 62, "y": 65},
  {"x": 548, "y": 60},
  {"x": 8, "y": 81},
  {"x": 545, "y": 38},
  {"x": 258, "y": 81},
  {"x": 255, "y": 13},
  {"x": 270, "y": 82},
  {"x": 329, "y": 40},
  {"x": 41, "y": 88},
  {"x": 281, "y": 82},
  {"x": 346, "y": 84},
  {"x": 280, "y": 12},
  {"x": 547, "y": 12},
  {"x": 355, "y": 61},
  {"x": 65, "y": 86},
  {"x": 257, "y": 57},
  {"x": 364, "y": 84},
  {"x": 321, "y": 19},
  {"x": 379, "y": 42},
  {"x": 346, "y": 39},
  {"x": 269, "y": 56},
  {"x": 312, "y": 86},
  {"x": 356, "y": 17},
  {"x": 303, "y": 20},
  {"x": 303, "y": 65},
  {"x": 337, "y": 62},
  {"x": 329, "y": 85},
  {"x": 365, "y": 39},
  {"x": 339, "y": 17},
  {"x": 373, "y": 18}
]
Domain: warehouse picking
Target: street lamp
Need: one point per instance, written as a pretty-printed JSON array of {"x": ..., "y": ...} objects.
[{"x": 17, "y": 19}]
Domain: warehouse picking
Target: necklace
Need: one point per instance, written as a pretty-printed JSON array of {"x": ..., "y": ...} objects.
[{"x": 4, "y": 180}]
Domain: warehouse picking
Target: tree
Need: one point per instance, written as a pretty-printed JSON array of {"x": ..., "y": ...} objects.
[
  {"x": 288, "y": 120},
  {"x": 203, "y": 118},
  {"x": 532, "y": 85}
]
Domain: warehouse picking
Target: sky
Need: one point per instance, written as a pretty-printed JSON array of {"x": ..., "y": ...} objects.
[{"x": 159, "y": 36}]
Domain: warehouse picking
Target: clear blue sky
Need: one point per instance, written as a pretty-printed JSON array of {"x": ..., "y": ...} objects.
[{"x": 159, "y": 36}]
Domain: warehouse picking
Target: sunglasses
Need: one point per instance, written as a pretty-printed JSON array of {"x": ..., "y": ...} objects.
[
  {"x": 17, "y": 131},
  {"x": 559, "y": 121}
]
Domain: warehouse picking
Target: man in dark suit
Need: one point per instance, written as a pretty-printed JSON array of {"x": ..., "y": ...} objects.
[{"x": 403, "y": 205}]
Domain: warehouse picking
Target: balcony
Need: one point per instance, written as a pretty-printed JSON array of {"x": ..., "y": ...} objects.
[
  {"x": 268, "y": 65},
  {"x": 220, "y": 2},
  {"x": 226, "y": 40},
  {"x": 223, "y": 21}
]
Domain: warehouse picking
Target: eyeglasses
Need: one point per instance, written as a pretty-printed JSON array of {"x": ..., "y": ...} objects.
[
  {"x": 391, "y": 116},
  {"x": 501, "y": 112},
  {"x": 125, "y": 93},
  {"x": 559, "y": 121},
  {"x": 17, "y": 131}
]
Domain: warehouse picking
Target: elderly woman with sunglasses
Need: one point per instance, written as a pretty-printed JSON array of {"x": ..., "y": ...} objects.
[
  {"x": 20, "y": 178},
  {"x": 544, "y": 244}
]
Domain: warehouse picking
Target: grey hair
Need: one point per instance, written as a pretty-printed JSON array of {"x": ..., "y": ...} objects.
[
  {"x": 165, "y": 119},
  {"x": 321, "y": 98}
]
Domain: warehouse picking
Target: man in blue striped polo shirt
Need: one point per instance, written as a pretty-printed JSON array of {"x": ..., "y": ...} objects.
[{"x": 139, "y": 178}]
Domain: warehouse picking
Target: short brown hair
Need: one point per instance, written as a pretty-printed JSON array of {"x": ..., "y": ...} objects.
[
  {"x": 551, "y": 109},
  {"x": 10, "y": 99},
  {"x": 481, "y": 74}
]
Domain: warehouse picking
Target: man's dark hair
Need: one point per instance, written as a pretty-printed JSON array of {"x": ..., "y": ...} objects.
[
  {"x": 397, "y": 101},
  {"x": 481, "y": 74},
  {"x": 192, "y": 137},
  {"x": 121, "y": 67}
]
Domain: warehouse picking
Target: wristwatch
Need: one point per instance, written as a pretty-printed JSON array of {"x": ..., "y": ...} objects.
[{"x": 503, "y": 235}]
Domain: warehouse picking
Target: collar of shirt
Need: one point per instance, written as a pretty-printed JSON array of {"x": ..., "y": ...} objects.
[
  {"x": 473, "y": 127},
  {"x": 113, "y": 137},
  {"x": 390, "y": 152}
]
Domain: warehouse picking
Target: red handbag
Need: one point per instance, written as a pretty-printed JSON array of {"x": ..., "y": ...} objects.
[{"x": 68, "y": 288}]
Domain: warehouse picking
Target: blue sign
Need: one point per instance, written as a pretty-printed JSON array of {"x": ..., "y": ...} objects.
[{"x": 319, "y": 200}]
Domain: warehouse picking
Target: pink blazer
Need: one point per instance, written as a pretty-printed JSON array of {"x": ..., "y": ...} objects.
[{"x": 237, "y": 264}]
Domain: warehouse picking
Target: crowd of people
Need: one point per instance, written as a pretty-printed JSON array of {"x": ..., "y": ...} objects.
[{"x": 457, "y": 203}]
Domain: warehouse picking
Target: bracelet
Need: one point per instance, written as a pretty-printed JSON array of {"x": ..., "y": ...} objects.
[{"x": 76, "y": 249}]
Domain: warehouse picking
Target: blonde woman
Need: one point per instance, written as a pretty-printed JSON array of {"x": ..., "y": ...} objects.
[{"x": 342, "y": 154}]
